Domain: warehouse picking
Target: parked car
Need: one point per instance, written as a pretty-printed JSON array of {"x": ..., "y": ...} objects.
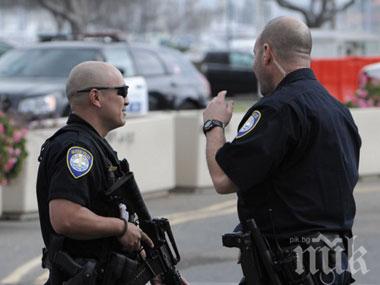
[
  {"x": 173, "y": 82},
  {"x": 229, "y": 70},
  {"x": 32, "y": 79}
]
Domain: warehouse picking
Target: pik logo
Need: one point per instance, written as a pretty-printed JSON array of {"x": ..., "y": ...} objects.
[{"x": 320, "y": 255}]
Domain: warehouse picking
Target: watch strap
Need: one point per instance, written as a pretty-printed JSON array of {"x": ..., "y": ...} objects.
[{"x": 210, "y": 124}]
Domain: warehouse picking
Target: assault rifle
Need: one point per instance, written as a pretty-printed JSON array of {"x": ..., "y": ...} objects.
[{"x": 161, "y": 259}]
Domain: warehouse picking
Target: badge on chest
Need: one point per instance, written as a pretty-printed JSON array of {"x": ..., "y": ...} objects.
[{"x": 79, "y": 161}]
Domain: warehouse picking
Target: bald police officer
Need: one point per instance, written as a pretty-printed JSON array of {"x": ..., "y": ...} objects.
[
  {"x": 294, "y": 160},
  {"x": 76, "y": 166}
]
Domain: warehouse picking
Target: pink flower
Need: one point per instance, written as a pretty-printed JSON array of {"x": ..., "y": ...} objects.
[
  {"x": 362, "y": 93},
  {"x": 17, "y": 152},
  {"x": 2, "y": 128},
  {"x": 18, "y": 136},
  {"x": 24, "y": 132},
  {"x": 10, "y": 150},
  {"x": 362, "y": 103},
  {"x": 10, "y": 164},
  {"x": 371, "y": 103}
]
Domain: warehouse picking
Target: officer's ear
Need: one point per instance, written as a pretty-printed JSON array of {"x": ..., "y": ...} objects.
[
  {"x": 94, "y": 97},
  {"x": 267, "y": 54}
]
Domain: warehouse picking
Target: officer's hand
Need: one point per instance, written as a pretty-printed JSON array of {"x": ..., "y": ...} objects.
[
  {"x": 131, "y": 239},
  {"x": 146, "y": 240},
  {"x": 219, "y": 109}
]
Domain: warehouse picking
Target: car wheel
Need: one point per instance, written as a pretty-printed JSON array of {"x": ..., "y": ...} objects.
[
  {"x": 153, "y": 103},
  {"x": 188, "y": 105}
]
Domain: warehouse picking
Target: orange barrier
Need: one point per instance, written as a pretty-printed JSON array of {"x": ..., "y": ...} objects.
[{"x": 340, "y": 75}]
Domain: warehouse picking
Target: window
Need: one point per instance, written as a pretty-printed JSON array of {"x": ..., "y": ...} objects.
[
  {"x": 240, "y": 59},
  {"x": 216, "y": 57},
  {"x": 120, "y": 58},
  {"x": 148, "y": 63},
  {"x": 53, "y": 62},
  {"x": 177, "y": 63}
]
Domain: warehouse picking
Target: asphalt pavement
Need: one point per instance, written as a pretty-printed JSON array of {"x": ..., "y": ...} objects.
[{"x": 199, "y": 219}]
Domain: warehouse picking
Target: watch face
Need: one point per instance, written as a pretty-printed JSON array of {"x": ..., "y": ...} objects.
[{"x": 208, "y": 124}]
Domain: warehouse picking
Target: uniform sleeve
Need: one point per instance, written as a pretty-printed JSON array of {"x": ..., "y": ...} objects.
[
  {"x": 72, "y": 173},
  {"x": 259, "y": 148}
]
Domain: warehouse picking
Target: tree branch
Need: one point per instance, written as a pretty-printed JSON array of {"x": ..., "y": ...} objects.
[
  {"x": 58, "y": 10},
  {"x": 314, "y": 18}
]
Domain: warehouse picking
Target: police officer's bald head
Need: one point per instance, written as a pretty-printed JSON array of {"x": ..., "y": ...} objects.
[
  {"x": 289, "y": 38},
  {"x": 90, "y": 74}
]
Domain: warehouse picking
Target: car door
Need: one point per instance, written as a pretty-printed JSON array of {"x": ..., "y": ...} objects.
[
  {"x": 160, "y": 87},
  {"x": 216, "y": 68}
]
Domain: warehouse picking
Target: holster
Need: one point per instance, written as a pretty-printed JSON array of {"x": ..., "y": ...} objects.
[
  {"x": 85, "y": 276},
  {"x": 116, "y": 268},
  {"x": 64, "y": 267}
]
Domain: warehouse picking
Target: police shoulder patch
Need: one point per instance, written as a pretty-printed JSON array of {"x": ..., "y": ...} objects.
[
  {"x": 79, "y": 161},
  {"x": 249, "y": 124}
]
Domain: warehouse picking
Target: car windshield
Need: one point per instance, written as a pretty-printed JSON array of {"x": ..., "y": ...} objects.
[
  {"x": 178, "y": 63},
  {"x": 51, "y": 63},
  {"x": 120, "y": 57}
]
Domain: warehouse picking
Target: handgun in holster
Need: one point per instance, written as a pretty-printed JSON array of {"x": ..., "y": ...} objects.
[
  {"x": 256, "y": 259},
  {"x": 260, "y": 265},
  {"x": 64, "y": 269}
]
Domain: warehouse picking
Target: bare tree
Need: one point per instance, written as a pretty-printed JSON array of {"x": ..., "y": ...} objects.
[
  {"x": 318, "y": 11},
  {"x": 80, "y": 13}
]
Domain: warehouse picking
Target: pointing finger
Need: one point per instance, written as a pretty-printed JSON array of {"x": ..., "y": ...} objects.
[
  {"x": 145, "y": 238},
  {"x": 222, "y": 95}
]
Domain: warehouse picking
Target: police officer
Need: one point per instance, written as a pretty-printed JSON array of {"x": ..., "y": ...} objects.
[
  {"x": 294, "y": 160},
  {"x": 77, "y": 165}
]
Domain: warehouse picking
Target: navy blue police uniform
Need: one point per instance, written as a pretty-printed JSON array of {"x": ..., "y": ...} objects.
[
  {"x": 78, "y": 165},
  {"x": 295, "y": 161}
]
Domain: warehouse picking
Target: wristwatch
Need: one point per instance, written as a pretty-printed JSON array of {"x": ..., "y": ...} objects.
[{"x": 210, "y": 124}]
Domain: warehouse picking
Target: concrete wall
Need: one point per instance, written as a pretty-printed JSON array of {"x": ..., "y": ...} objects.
[
  {"x": 368, "y": 122},
  {"x": 19, "y": 197},
  {"x": 147, "y": 143},
  {"x": 167, "y": 150},
  {"x": 190, "y": 147}
]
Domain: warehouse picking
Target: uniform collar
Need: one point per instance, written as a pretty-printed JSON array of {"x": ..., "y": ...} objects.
[
  {"x": 299, "y": 74},
  {"x": 75, "y": 119}
]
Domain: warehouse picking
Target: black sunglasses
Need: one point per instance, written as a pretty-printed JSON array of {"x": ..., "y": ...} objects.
[{"x": 121, "y": 91}]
